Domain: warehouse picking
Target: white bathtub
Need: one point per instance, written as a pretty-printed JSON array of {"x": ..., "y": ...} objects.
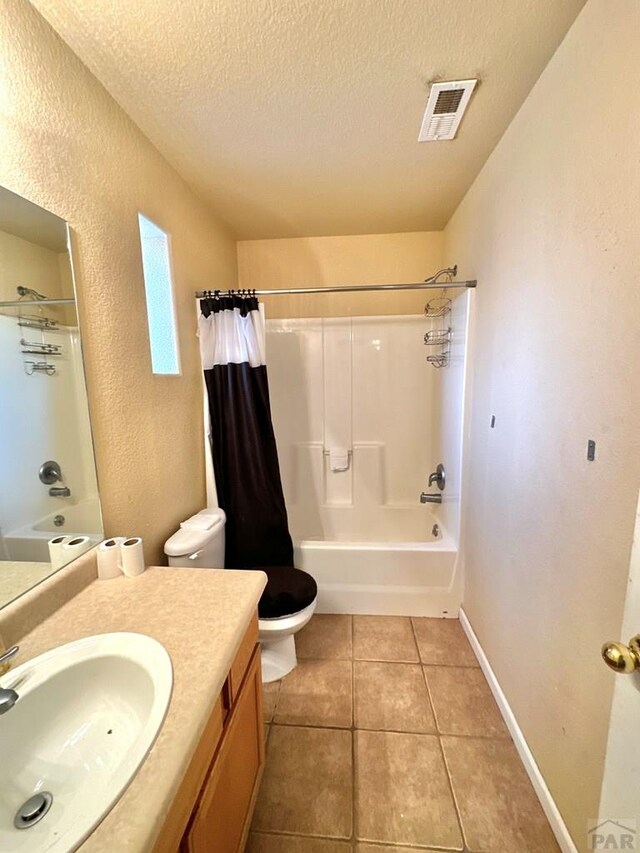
[
  {"x": 401, "y": 578},
  {"x": 30, "y": 542}
]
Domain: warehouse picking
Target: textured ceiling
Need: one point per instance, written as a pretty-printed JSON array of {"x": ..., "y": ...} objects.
[{"x": 300, "y": 117}]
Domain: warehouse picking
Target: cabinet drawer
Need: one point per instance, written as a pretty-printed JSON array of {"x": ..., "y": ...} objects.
[{"x": 221, "y": 820}]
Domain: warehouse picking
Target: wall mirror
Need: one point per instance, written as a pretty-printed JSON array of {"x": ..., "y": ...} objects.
[{"x": 49, "y": 503}]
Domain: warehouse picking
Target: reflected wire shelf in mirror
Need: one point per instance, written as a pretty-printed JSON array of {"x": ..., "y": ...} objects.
[{"x": 43, "y": 348}]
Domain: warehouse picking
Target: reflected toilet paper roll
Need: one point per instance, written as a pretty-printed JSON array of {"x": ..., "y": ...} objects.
[
  {"x": 110, "y": 558},
  {"x": 132, "y": 557},
  {"x": 55, "y": 551},
  {"x": 74, "y": 547}
]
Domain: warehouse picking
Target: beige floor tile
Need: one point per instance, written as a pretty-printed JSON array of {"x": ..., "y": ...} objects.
[
  {"x": 317, "y": 693},
  {"x": 261, "y": 843},
  {"x": 326, "y": 636},
  {"x": 377, "y": 848},
  {"x": 402, "y": 791},
  {"x": 463, "y": 703},
  {"x": 443, "y": 642},
  {"x": 391, "y": 697},
  {"x": 307, "y": 784},
  {"x": 384, "y": 638},
  {"x": 269, "y": 699},
  {"x": 498, "y": 807}
]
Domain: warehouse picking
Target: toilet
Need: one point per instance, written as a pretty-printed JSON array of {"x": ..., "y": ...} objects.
[{"x": 286, "y": 605}]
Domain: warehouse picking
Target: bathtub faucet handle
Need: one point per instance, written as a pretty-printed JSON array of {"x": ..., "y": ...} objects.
[{"x": 438, "y": 477}]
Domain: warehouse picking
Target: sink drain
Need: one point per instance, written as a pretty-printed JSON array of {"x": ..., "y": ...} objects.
[{"x": 33, "y": 810}]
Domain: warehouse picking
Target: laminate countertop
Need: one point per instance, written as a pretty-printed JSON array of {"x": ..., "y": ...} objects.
[{"x": 200, "y": 617}]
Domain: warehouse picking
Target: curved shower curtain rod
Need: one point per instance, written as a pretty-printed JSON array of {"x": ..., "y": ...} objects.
[{"x": 430, "y": 283}]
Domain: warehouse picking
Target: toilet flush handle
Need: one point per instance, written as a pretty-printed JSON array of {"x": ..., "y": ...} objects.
[{"x": 196, "y": 554}]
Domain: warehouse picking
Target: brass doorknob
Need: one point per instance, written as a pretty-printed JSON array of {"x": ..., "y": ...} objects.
[{"x": 621, "y": 658}]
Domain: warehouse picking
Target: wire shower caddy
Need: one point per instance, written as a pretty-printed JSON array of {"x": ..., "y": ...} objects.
[{"x": 438, "y": 310}]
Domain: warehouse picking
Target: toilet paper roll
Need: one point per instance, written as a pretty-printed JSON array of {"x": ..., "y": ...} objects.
[
  {"x": 132, "y": 557},
  {"x": 74, "y": 547},
  {"x": 110, "y": 558},
  {"x": 55, "y": 551}
]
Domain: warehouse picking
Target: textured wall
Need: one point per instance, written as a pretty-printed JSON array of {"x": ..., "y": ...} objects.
[
  {"x": 550, "y": 230},
  {"x": 325, "y": 261},
  {"x": 56, "y": 122},
  {"x": 23, "y": 262}
]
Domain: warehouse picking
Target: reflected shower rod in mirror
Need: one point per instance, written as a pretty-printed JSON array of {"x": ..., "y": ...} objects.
[
  {"x": 430, "y": 283},
  {"x": 26, "y": 303},
  {"x": 34, "y": 298}
]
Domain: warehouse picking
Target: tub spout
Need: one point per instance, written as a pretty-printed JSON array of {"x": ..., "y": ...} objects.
[
  {"x": 60, "y": 491},
  {"x": 430, "y": 499}
]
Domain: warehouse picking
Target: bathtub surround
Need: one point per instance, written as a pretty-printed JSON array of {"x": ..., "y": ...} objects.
[
  {"x": 549, "y": 229},
  {"x": 56, "y": 118},
  {"x": 363, "y": 385},
  {"x": 453, "y": 392}
]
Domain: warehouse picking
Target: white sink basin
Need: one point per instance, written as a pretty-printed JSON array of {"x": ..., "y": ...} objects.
[{"x": 87, "y": 716}]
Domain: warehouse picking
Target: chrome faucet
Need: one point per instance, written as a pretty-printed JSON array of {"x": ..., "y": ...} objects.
[
  {"x": 439, "y": 478},
  {"x": 50, "y": 473},
  {"x": 8, "y": 697}
]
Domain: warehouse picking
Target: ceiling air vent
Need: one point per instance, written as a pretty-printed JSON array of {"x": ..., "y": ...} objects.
[{"x": 445, "y": 108}]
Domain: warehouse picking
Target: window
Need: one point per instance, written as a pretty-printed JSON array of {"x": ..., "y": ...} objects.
[{"x": 158, "y": 283}]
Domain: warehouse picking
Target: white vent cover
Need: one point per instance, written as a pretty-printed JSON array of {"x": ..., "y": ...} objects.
[{"x": 445, "y": 108}]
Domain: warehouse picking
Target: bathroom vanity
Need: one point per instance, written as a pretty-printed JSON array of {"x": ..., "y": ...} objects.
[
  {"x": 195, "y": 790},
  {"x": 212, "y": 810}
]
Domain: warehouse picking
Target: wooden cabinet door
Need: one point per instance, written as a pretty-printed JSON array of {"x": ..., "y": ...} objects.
[{"x": 221, "y": 819}]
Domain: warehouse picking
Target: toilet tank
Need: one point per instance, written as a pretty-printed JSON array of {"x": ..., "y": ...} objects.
[{"x": 199, "y": 543}]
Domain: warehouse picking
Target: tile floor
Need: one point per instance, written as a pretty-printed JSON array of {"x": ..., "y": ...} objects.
[{"x": 386, "y": 738}]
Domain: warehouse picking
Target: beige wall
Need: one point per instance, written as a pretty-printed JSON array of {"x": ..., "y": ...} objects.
[
  {"x": 25, "y": 263},
  {"x": 550, "y": 230},
  {"x": 325, "y": 261},
  {"x": 45, "y": 270},
  {"x": 56, "y": 119}
]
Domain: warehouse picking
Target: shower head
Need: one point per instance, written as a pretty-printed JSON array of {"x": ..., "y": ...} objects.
[{"x": 27, "y": 291}]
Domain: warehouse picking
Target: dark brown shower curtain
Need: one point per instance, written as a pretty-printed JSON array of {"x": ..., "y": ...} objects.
[{"x": 243, "y": 445}]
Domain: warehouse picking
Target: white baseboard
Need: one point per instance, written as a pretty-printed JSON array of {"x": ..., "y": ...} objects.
[{"x": 537, "y": 780}]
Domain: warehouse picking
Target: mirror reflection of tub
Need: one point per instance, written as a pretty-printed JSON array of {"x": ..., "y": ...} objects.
[
  {"x": 46, "y": 445},
  {"x": 31, "y": 542}
]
